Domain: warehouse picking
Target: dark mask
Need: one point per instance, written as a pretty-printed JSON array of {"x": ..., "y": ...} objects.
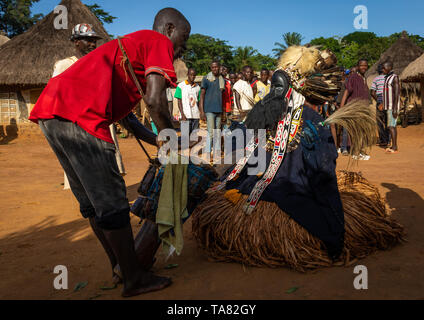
[{"x": 267, "y": 112}]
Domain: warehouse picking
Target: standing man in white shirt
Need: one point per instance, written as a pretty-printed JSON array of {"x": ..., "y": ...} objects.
[
  {"x": 243, "y": 92},
  {"x": 188, "y": 96}
]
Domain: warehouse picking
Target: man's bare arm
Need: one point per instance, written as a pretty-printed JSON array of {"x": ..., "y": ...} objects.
[
  {"x": 237, "y": 96},
  {"x": 156, "y": 101},
  {"x": 201, "y": 104},
  {"x": 344, "y": 99},
  {"x": 373, "y": 94},
  {"x": 132, "y": 124},
  {"x": 396, "y": 98},
  {"x": 180, "y": 107},
  {"x": 255, "y": 90}
]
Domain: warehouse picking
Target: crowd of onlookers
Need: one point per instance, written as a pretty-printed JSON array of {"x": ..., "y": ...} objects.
[
  {"x": 385, "y": 90},
  {"x": 223, "y": 95}
]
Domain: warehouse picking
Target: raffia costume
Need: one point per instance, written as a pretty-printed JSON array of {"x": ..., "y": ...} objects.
[{"x": 299, "y": 212}]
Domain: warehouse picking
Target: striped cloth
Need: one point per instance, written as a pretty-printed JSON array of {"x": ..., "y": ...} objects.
[
  {"x": 388, "y": 93},
  {"x": 377, "y": 86}
]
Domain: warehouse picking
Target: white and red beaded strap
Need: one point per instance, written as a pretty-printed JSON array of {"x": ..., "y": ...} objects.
[
  {"x": 280, "y": 147},
  {"x": 250, "y": 148}
]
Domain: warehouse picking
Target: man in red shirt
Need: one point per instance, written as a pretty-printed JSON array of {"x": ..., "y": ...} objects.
[
  {"x": 74, "y": 112},
  {"x": 356, "y": 88}
]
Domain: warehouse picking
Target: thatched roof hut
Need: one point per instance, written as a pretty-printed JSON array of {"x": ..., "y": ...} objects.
[
  {"x": 414, "y": 72},
  {"x": 401, "y": 53},
  {"x": 27, "y": 60}
]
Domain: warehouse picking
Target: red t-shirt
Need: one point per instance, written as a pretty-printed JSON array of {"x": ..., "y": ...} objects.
[
  {"x": 95, "y": 91},
  {"x": 226, "y": 97}
]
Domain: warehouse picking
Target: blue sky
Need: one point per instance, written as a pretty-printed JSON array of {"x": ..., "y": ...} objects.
[{"x": 261, "y": 23}]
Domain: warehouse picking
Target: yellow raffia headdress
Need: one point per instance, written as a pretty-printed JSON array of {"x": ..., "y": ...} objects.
[{"x": 313, "y": 72}]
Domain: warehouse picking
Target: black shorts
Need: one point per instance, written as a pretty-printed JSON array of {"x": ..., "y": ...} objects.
[{"x": 93, "y": 173}]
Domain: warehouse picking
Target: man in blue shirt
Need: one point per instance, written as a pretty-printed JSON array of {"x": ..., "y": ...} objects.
[{"x": 211, "y": 101}]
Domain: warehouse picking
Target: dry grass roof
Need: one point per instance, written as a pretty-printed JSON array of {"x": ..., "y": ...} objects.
[
  {"x": 401, "y": 53},
  {"x": 414, "y": 72},
  {"x": 27, "y": 60}
]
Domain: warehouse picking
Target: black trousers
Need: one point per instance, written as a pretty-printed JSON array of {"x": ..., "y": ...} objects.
[
  {"x": 93, "y": 173},
  {"x": 383, "y": 131}
]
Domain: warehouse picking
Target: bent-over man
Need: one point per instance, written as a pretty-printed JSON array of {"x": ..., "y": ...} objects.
[{"x": 75, "y": 111}]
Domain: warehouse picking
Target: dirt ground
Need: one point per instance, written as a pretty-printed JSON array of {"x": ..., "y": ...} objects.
[{"x": 40, "y": 227}]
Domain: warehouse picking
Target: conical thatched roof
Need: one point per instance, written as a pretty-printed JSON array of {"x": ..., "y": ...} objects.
[
  {"x": 401, "y": 53},
  {"x": 27, "y": 60},
  {"x": 414, "y": 72}
]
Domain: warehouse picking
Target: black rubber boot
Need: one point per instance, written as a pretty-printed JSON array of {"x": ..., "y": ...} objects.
[{"x": 136, "y": 280}]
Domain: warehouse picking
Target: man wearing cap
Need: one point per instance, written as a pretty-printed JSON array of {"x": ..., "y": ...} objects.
[
  {"x": 75, "y": 111},
  {"x": 85, "y": 40}
]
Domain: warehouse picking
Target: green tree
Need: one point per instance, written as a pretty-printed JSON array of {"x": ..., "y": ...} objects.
[
  {"x": 290, "y": 39},
  {"x": 349, "y": 55},
  {"x": 264, "y": 61},
  {"x": 16, "y": 16},
  {"x": 202, "y": 50},
  {"x": 245, "y": 56},
  {"x": 360, "y": 37},
  {"x": 331, "y": 43},
  {"x": 103, "y": 16}
]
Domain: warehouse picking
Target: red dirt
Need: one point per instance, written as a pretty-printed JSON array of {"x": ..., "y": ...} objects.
[{"x": 40, "y": 227}]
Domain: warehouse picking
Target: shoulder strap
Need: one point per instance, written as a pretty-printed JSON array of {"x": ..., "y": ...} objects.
[{"x": 126, "y": 61}]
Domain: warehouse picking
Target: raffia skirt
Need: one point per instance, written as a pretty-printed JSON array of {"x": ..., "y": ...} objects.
[{"x": 270, "y": 238}]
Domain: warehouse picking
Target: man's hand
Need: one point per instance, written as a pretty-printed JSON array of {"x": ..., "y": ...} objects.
[
  {"x": 395, "y": 114},
  {"x": 202, "y": 116},
  {"x": 183, "y": 117},
  {"x": 380, "y": 107}
]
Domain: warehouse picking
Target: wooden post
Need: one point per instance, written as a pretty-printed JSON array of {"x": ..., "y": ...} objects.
[{"x": 422, "y": 91}]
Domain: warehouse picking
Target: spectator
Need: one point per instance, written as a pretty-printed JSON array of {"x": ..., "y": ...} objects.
[
  {"x": 243, "y": 92},
  {"x": 270, "y": 76},
  {"x": 377, "y": 94},
  {"x": 391, "y": 101},
  {"x": 224, "y": 72},
  {"x": 188, "y": 95},
  {"x": 355, "y": 88},
  {"x": 211, "y": 101},
  {"x": 262, "y": 85},
  {"x": 240, "y": 76},
  {"x": 227, "y": 97}
]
